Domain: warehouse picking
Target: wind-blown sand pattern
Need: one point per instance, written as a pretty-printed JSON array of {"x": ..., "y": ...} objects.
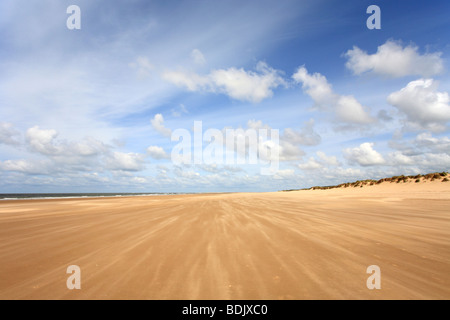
[{"x": 313, "y": 244}]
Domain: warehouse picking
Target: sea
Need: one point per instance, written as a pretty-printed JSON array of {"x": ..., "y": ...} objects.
[{"x": 30, "y": 196}]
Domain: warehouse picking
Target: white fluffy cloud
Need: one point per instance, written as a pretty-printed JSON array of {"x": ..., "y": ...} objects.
[
  {"x": 238, "y": 84},
  {"x": 311, "y": 164},
  {"x": 346, "y": 108},
  {"x": 425, "y": 153},
  {"x": 42, "y": 141},
  {"x": 157, "y": 153},
  {"x": 306, "y": 136},
  {"x": 317, "y": 87},
  {"x": 60, "y": 161},
  {"x": 399, "y": 158},
  {"x": 422, "y": 163},
  {"x": 433, "y": 144},
  {"x": 350, "y": 110},
  {"x": 158, "y": 124},
  {"x": 327, "y": 160},
  {"x": 284, "y": 174},
  {"x": 246, "y": 85},
  {"x": 289, "y": 151},
  {"x": 27, "y": 166},
  {"x": 291, "y": 139},
  {"x": 87, "y": 147},
  {"x": 393, "y": 60},
  {"x": 125, "y": 161},
  {"x": 435, "y": 162},
  {"x": 364, "y": 155},
  {"x": 423, "y": 105},
  {"x": 321, "y": 162}
]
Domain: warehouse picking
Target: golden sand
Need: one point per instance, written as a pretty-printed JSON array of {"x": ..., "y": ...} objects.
[{"x": 314, "y": 244}]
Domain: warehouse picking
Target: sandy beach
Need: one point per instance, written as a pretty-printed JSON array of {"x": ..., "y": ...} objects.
[{"x": 313, "y": 244}]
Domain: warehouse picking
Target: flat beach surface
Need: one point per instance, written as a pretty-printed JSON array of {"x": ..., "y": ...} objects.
[{"x": 314, "y": 244}]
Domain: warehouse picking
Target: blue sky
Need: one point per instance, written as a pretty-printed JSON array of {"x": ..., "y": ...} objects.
[{"x": 92, "y": 110}]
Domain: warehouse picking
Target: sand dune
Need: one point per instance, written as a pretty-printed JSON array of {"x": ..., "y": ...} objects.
[{"x": 313, "y": 244}]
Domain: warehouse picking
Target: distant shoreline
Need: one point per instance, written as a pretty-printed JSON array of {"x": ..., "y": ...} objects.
[
  {"x": 50, "y": 196},
  {"x": 442, "y": 176}
]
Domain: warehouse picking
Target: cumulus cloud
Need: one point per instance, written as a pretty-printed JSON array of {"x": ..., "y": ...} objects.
[
  {"x": 27, "y": 166},
  {"x": 306, "y": 136},
  {"x": 246, "y": 85},
  {"x": 317, "y": 87},
  {"x": 391, "y": 59},
  {"x": 399, "y": 158},
  {"x": 350, "y": 110},
  {"x": 87, "y": 147},
  {"x": 321, "y": 162},
  {"x": 424, "y": 162},
  {"x": 238, "y": 84},
  {"x": 256, "y": 145},
  {"x": 42, "y": 140},
  {"x": 364, "y": 155},
  {"x": 432, "y": 144},
  {"x": 425, "y": 153},
  {"x": 289, "y": 151},
  {"x": 56, "y": 156},
  {"x": 125, "y": 161},
  {"x": 346, "y": 108},
  {"x": 182, "y": 173},
  {"x": 284, "y": 174},
  {"x": 157, "y": 153},
  {"x": 291, "y": 139},
  {"x": 435, "y": 162},
  {"x": 423, "y": 105},
  {"x": 158, "y": 124},
  {"x": 8, "y": 135},
  {"x": 327, "y": 160},
  {"x": 311, "y": 164}
]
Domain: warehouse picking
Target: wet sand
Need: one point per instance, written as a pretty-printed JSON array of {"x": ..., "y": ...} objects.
[{"x": 314, "y": 244}]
